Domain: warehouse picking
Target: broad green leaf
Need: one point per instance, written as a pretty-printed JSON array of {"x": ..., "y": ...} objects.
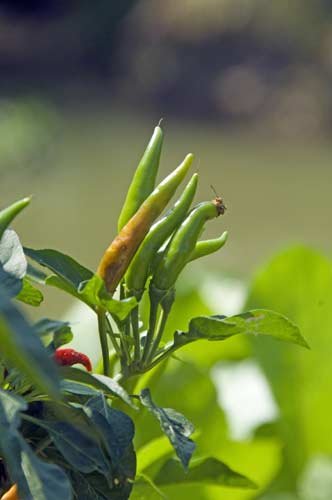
[
  {"x": 62, "y": 265},
  {"x": 208, "y": 470},
  {"x": 95, "y": 486},
  {"x": 9, "y": 284},
  {"x": 176, "y": 427},
  {"x": 115, "y": 426},
  {"x": 78, "y": 389},
  {"x": 298, "y": 283},
  {"x": 115, "y": 388},
  {"x": 36, "y": 480},
  {"x": 61, "y": 330},
  {"x": 81, "y": 450},
  {"x": 91, "y": 293},
  {"x": 29, "y": 294},
  {"x": 62, "y": 284},
  {"x": 255, "y": 322},
  {"x": 100, "y": 382},
  {"x": 21, "y": 346},
  {"x": 145, "y": 489},
  {"x": 153, "y": 451},
  {"x": 259, "y": 460},
  {"x": 117, "y": 431},
  {"x": 36, "y": 275},
  {"x": 7, "y": 215}
]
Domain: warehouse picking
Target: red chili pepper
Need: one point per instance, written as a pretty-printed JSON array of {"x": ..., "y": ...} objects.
[{"x": 69, "y": 357}]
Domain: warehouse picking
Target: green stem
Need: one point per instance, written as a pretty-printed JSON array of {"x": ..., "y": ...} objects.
[
  {"x": 135, "y": 326},
  {"x": 160, "y": 330},
  {"x": 124, "y": 334},
  {"x": 166, "y": 353},
  {"x": 113, "y": 338},
  {"x": 103, "y": 340},
  {"x": 154, "y": 304}
]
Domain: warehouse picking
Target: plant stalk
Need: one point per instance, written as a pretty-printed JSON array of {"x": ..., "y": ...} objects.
[
  {"x": 102, "y": 329},
  {"x": 136, "y": 336},
  {"x": 154, "y": 304}
]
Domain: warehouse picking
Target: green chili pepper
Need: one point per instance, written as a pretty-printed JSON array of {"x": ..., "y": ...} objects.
[
  {"x": 183, "y": 243},
  {"x": 117, "y": 257},
  {"x": 138, "y": 270},
  {"x": 144, "y": 178},
  {"x": 206, "y": 247},
  {"x": 9, "y": 213}
]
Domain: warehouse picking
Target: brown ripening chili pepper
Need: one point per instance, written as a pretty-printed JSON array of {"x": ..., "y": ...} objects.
[
  {"x": 117, "y": 257},
  {"x": 11, "y": 494}
]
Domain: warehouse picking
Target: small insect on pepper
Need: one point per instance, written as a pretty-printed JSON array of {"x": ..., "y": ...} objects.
[
  {"x": 69, "y": 357},
  {"x": 144, "y": 178},
  {"x": 140, "y": 266},
  {"x": 182, "y": 244},
  {"x": 117, "y": 257}
]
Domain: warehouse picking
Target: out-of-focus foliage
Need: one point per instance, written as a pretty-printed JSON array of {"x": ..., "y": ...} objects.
[
  {"x": 27, "y": 128},
  {"x": 299, "y": 283}
]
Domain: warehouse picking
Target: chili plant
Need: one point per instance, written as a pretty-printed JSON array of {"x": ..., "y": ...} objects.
[{"x": 67, "y": 432}]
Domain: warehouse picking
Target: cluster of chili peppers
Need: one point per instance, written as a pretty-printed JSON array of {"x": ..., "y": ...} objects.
[{"x": 149, "y": 254}]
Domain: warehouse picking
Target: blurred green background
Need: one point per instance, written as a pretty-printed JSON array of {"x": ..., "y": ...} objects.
[{"x": 246, "y": 86}]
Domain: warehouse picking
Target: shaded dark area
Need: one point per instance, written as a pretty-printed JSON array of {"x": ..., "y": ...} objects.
[{"x": 241, "y": 64}]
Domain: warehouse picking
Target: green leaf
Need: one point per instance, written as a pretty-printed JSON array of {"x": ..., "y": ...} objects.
[
  {"x": 81, "y": 450},
  {"x": 207, "y": 470},
  {"x": 298, "y": 283},
  {"x": 176, "y": 427},
  {"x": 254, "y": 322},
  {"x": 62, "y": 265},
  {"x": 36, "y": 275},
  {"x": 65, "y": 286},
  {"x": 29, "y": 294},
  {"x": 100, "y": 382},
  {"x": 153, "y": 451},
  {"x": 115, "y": 426},
  {"x": 93, "y": 292},
  {"x": 94, "y": 485},
  {"x": 21, "y": 346},
  {"x": 80, "y": 282},
  {"x": 9, "y": 284},
  {"x": 61, "y": 330},
  {"x": 70, "y": 387},
  {"x": 36, "y": 479},
  {"x": 145, "y": 489},
  {"x": 7, "y": 215}
]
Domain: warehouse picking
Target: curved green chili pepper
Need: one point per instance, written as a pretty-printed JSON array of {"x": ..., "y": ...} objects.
[
  {"x": 9, "y": 213},
  {"x": 144, "y": 178},
  {"x": 206, "y": 247},
  {"x": 183, "y": 243},
  {"x": 117, "y": 257},
  {"x": 138, "y": 270}
]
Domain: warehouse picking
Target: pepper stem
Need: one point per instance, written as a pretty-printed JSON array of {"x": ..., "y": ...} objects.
[
  {"x": 154, "y": 305},
  {"x": 166, "y": 306},
  {"x": 160, "y": 330},
  {"x": 102, "y": 329},
  {"x": 136, "y": 336}
]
